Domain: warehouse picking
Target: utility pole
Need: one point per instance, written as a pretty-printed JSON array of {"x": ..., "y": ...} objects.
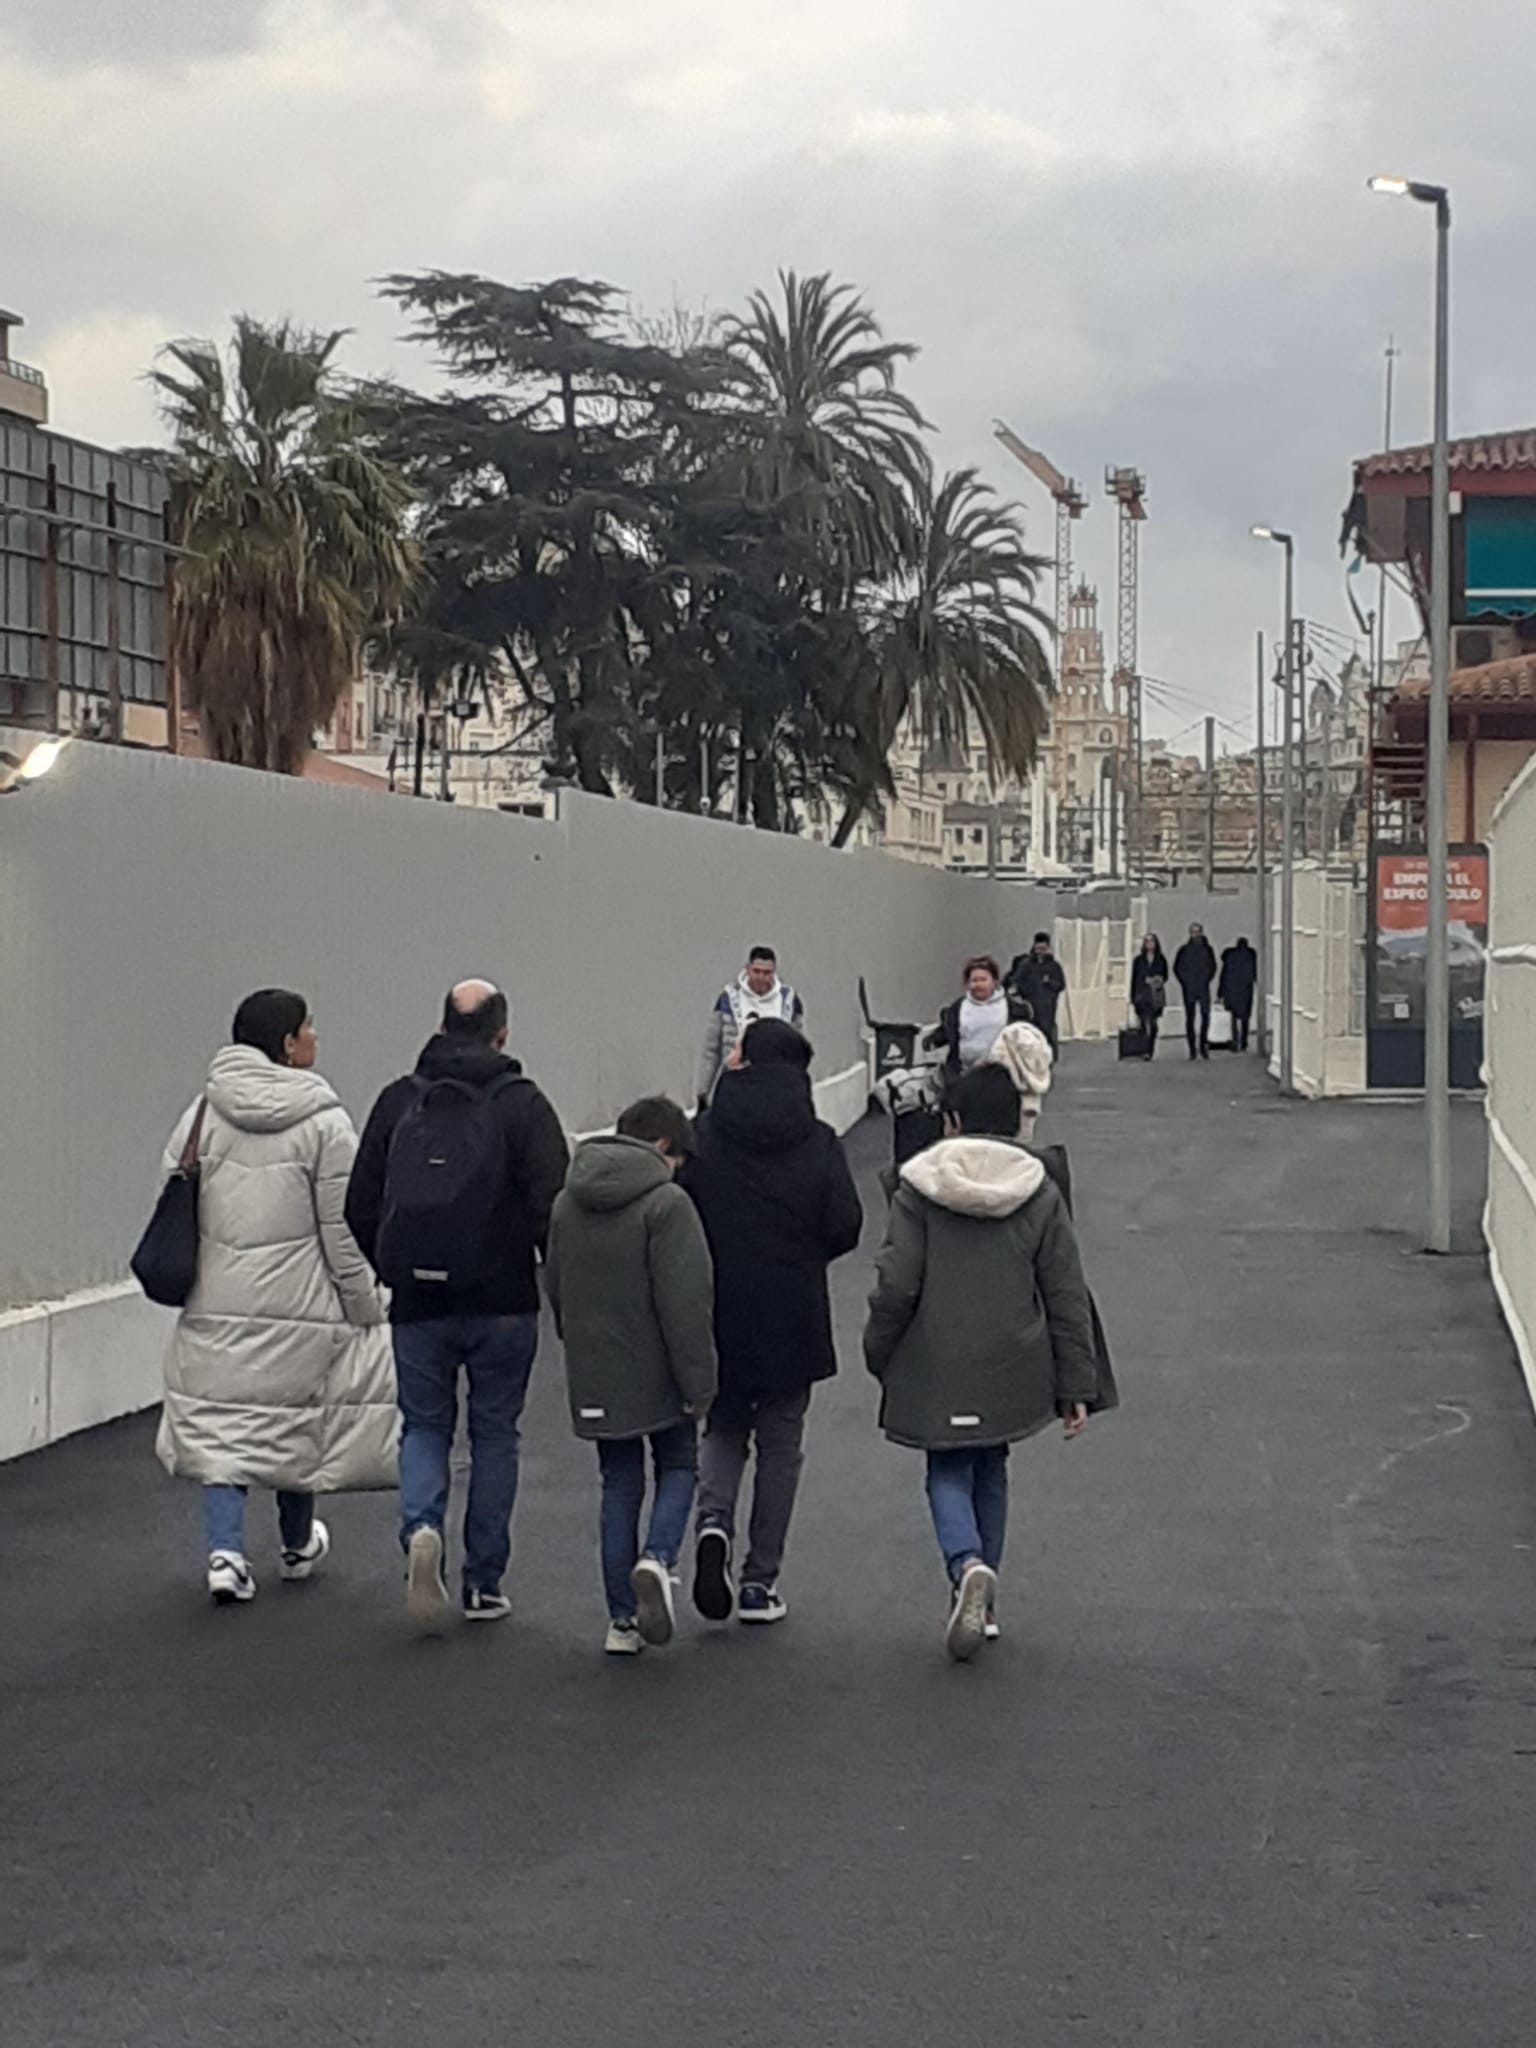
[
  {"x": 1437, "y": 976},
  {"x": 1326, "y": 849},
  {"x": 1262, "y": 862},
  {"x": 1210, "y": 806},
  {"x": 1393, "y": 352},
  {"x": 1303, "y": 657}
]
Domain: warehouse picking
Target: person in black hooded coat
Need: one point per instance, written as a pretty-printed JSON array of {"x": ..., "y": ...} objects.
[{"x": 778, "y": 1205}]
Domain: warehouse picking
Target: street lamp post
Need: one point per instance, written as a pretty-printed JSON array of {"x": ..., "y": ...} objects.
[
  {"x": 1287, "y": 819},
  {"x": 1437, "y": 980},
  {"x": 1266, "y": 937}
]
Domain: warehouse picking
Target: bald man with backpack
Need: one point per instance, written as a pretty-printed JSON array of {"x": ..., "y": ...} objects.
[{"x": 450, "y": 1200}]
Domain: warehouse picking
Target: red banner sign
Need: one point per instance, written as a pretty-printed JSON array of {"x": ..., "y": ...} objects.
[{"x": 1402, "y": 891}]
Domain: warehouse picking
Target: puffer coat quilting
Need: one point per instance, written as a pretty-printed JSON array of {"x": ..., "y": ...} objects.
[{"x": 279, "y": 1373}]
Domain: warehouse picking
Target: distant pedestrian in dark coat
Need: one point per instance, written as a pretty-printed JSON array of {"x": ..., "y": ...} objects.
[
  {"x": 1194, "y": 967},
  {"x": 1239, "y": 978},
  {"x": 778, "y": 1204},
  {"x": 1149, "y": 989},
  {"x": 1037, "y": 977}
]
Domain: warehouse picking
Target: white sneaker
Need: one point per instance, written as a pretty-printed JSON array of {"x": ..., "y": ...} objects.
[
  {"x": 426, "y": 1590},
  {"x": 623, "y": 1640},
  {"x": 655, "y": 1613},
  {"x": 992, "y": 1632},
  {"x": 974, "y": 1594},
  {"x": 298, "y": 1564},
  {"x": 230, "y": 1578}
]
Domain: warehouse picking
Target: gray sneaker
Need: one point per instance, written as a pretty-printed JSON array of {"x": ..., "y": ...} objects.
[
  {"x": 427, "y": 1601},
  {"x": 975, "y": 1591}
]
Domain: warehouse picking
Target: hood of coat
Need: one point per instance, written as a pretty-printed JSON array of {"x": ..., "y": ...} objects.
[
  {"x": 975, "y": 1176},
  {"x": 455, "y": 1059},
  {"x": 249, "y": 1091},
  {"x": 610, "y": 1173},
  {"x": 763, "y": 1109}
]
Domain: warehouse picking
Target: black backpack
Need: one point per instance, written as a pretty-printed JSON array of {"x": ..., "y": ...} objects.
[{"x": 446, "y": 1188}]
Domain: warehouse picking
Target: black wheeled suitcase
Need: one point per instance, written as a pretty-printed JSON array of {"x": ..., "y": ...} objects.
[{"x": 1133, "y": 1042}]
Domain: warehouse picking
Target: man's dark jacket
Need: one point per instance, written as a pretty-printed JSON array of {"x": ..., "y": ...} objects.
[
  {"x": 1194, "y": 966},
  {"x": 1042, "y": 984},
  {"x": 778, "y": 1205},
  {"x": 537, "y": 1158}
]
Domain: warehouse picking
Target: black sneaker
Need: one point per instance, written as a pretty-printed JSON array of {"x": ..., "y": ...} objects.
[
  {"x": 761, "y": 1603},
  {"x": 714, "y": 1591},
  {"x": 479, "y": 1606}
]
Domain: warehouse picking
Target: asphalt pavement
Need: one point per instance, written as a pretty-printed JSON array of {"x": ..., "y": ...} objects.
[{"x": 1252, "y": 1766}]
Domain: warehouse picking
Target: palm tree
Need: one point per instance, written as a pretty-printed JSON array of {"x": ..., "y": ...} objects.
[
  {"x": 818, "y": 435},
  {"x": 959, "y": 644},
  {"x": 296, "y": 532},
  {"x": 822, "y": 427}
]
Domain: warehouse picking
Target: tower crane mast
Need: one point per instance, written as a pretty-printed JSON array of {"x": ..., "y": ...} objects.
[
  {"x": 1070, "y": 502},
  {"x": 1128, "y": 488}
]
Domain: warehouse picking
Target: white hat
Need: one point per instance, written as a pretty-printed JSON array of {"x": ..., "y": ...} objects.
[{"x": 1026, "y": 1053}]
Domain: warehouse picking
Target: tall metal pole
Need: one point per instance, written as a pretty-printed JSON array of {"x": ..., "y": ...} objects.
[
  {"x": 1303, "y": 663},
  {"x": 1265, "y": 946},
  {"x": 1437, "y": 993},
  {"x": 1288, "y": 838},
  {"x": 1381, "y": 593},
  {"x": 1210, "y": 806},
  {"x": 661, "y": 772}
]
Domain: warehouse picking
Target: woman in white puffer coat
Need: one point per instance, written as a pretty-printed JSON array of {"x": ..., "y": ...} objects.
[{"x": 280, "y": 1372}]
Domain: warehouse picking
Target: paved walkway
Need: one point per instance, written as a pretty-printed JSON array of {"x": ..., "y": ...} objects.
[{"x": 1253, "y": 1768}]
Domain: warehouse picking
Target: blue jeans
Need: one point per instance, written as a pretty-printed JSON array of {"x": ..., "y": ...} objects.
[
  {"x": 675, "y": 1459},
  {"x": 224, "y": 1518},
  {"x": 968, "y": 1494},
  {"x": 497, "y": 1354}
]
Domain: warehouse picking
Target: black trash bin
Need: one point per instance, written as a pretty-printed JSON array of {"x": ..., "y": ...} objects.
[
  {"x": 895, "y": 1048},
  {"x": 895, "y": 1044}
]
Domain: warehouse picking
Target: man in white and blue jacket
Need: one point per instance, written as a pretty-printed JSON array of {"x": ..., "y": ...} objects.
[{"x": 756, "y": 992}]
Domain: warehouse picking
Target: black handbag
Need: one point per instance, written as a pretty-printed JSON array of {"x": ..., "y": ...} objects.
[{"x": 165, "y": 1264}]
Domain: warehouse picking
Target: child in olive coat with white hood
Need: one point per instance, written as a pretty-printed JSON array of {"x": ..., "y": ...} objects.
[
  {"x": 632, "y": 1287},
  {"x": 980, "y": 1329}
]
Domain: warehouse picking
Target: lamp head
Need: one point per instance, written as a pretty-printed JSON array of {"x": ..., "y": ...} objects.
[
  {"x": 1412, "y": 188},
  {"x": 17, "y": 770}
]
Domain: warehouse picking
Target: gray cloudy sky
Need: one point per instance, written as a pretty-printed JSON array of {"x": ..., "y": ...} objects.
[{"x": 1137, "y": 229}]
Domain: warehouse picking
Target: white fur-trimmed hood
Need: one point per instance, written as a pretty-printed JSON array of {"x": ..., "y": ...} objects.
[{"x": 975, "y": 1176}]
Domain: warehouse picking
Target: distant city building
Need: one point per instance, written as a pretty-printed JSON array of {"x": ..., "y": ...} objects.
[{"x": 82, "y": 573}]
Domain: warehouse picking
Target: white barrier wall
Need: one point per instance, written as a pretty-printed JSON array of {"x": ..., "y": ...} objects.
[
  {"x": 1328, "y": 1000},
  {"x": 141, "y": 896},
  {"x": 1509, "y": 1055}
]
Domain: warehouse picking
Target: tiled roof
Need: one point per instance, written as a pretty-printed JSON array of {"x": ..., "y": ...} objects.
[
  {"x": 1495, "y": 682},
  {"x": 1488, "y": 452}
]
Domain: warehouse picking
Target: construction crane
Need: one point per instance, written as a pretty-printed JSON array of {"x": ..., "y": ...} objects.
[
  {"x": 1070, "y": 504},
  {"x": 1128, "y": 488}
]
